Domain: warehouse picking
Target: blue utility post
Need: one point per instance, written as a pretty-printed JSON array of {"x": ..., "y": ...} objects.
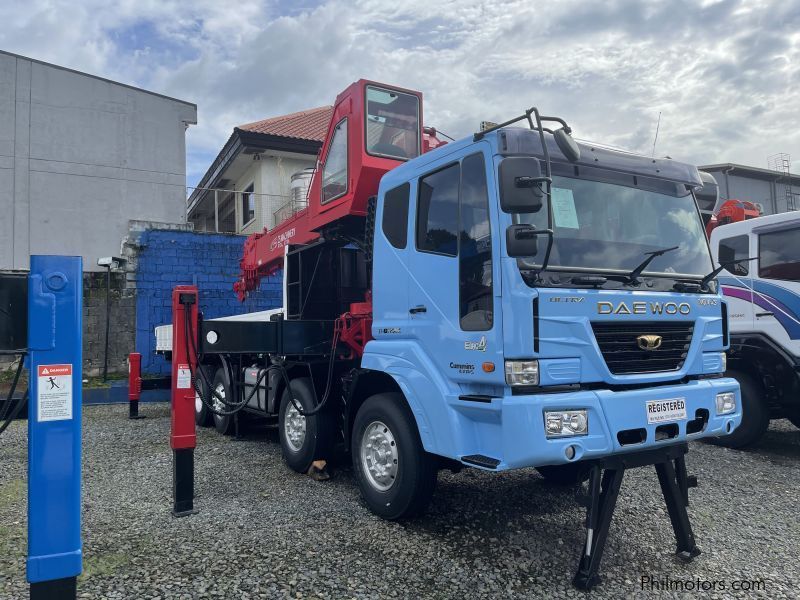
[{"x": 54, "y": 426}]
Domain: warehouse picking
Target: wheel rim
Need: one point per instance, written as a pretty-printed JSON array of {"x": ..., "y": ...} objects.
[
  {"x": 379, "y": 456},
  {"x": 294, "y": 428},
  {"x": 219, "y": 393},
  {"x": 198, "y": 404}
]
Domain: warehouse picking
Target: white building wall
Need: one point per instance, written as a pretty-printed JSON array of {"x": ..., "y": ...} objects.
[
  {"x": 276, "y": 181},
  {"x": 80, "y": 157}
]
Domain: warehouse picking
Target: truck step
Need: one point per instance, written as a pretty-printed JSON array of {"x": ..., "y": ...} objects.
[{"x": 480, "y": 460}]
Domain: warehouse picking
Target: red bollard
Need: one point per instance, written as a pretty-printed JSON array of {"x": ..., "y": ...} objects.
[
  {"x": 134, "y": 384},
  {"x": 184, "y": 362}
]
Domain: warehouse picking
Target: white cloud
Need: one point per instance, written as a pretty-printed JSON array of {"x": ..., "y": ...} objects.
[{"x": 725, "y": 75}]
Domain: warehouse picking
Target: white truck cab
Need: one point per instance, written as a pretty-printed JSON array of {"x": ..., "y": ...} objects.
[{"x": 763, "y": 299}]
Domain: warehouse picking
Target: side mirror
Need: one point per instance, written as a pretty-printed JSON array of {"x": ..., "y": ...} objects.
[
  {"x": 569, "y": 147},
  {"x": 521, "y": 184},
  {"x": 522, "y": 241}
]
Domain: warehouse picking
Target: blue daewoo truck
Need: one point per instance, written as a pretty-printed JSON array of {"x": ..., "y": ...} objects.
[{"x": 513, "y": 299}]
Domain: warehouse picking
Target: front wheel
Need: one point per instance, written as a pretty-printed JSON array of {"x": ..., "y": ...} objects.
[
  {"x": 395, "y": 474},
  {"x": 567, "y": 474},
  {"x": 755, "y": 413}
]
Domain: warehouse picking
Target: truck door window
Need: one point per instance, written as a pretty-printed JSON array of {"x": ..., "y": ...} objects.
[
  {"x": 395, "y": 216},
  {"x": 475, "y": 248},
  {"x": 735, "y": 248},
  {"x": 334, "y": 173},
  {"x": 437, "y": 212},
  {"x": 778, "y": 255}
]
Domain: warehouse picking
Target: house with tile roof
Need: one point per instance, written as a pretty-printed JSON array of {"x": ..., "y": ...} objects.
[{"x": 249, "y": 185}]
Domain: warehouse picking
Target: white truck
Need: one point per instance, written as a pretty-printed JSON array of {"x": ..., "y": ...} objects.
[{"x": 763, "y": 299}]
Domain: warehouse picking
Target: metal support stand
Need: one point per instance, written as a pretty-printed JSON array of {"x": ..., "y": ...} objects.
[
  {"x": 55, "y": 589},
  {"x": 605, "y": 479},
  {"x": 134, "y": 384},
  {"x": 55, "y": 549},
  {"x": 133, "y": 410},
  {"x": 183, "y": 438},
  {"x": 183, "y": 482}
]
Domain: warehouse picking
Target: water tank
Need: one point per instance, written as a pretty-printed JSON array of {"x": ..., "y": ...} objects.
[{"x": 299, "y": 185}]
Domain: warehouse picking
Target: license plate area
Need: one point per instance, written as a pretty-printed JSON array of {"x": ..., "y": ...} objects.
[{"x": 666, "y": 411}]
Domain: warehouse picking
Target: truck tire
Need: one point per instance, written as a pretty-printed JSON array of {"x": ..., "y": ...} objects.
[
  {"x": 755, "y": 413},
  {"x": 202, "y": 416},
  {"x": 304, "y": 439},
  {"x": 222, "y": 423},
  {"x": 395, "y": 474},
  {"x": 567, "y": 474}
]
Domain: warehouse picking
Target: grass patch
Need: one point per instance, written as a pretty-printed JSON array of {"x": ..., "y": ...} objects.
[
  {"x": 12, "y": 492},
  {"x": 97, "y": 382},
  {"x": 105, "y": 564}
]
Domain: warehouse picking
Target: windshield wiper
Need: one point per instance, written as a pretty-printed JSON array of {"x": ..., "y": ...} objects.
[
  {"x": 633, "y": 276},
  {"x": 722, "y": 266}
]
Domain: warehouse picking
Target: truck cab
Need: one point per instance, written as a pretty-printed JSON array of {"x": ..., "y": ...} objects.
[
  {"x": 762, "y": 292},
  {"x": 572, "y": 352}
]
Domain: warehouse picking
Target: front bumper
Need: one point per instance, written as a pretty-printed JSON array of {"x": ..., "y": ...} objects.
[{"x": 516, "y": 436}]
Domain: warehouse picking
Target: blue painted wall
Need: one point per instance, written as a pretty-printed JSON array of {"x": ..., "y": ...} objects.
[{"x": 210, "y": 261}]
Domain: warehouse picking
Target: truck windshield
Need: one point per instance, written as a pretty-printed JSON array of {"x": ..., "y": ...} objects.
[
  {"x": 608, "y": 227},
  {"x": 392, "y": 123}
]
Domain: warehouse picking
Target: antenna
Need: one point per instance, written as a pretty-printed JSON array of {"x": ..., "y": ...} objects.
[{"x": 658, "y": 125}]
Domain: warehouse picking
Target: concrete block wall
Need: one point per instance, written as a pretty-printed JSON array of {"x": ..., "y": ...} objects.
[
  {"x": 166, "y": 258},
  {"x": 122, "y": 323}
]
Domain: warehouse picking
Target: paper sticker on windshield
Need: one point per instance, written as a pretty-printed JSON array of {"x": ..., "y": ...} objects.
[{"x": 564, "y": 214}]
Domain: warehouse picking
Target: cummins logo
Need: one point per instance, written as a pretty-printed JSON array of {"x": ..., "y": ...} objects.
[{"x": 643, "y": 308}]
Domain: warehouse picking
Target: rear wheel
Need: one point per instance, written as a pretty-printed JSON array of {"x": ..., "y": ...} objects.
[
  {"x": 395, "y": 474},
  {"x": 222, "y": 423},
  {"x": 304, "y": 439},
  {"x": 202, "y": 416},
  {"x": 755, "y": 413}
]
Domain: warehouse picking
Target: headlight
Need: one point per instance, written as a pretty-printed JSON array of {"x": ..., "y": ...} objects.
[
  {"x": 723, "y": 359},
  {"x": 563, "y": 423},
  {"x": 726, "y": 403},
  {"x": 522, "y": 372}
]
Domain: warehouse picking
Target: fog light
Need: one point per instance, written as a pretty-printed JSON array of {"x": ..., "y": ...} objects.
[
  {"x": 726, "y": 403},
  {"x": 563, "y": 423},
  {"x": 522, "y": 372}
]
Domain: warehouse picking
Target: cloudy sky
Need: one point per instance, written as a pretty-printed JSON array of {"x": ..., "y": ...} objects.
[{"x": 725, "y": 75}]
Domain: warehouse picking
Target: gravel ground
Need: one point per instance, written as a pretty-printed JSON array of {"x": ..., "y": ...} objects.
[{"x": 263, "y": 531}]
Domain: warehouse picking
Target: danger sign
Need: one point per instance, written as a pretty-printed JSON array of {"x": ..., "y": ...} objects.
[
  {"x": 184, "y": 377},
  {"x": 54, "y": 393}
]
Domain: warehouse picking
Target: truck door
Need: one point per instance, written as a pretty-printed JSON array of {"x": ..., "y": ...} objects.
[
  {"x": 738, "y": 290},
  {"x": 777, "y": 310},
  {"x": 454, "y": 283}
]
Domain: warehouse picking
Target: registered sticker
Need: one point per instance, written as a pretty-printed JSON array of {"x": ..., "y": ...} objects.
[
  {"x": 663, "y": 411},
  {"x": 184, "y": 377},
  {"x": 54, "y": 393}
]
